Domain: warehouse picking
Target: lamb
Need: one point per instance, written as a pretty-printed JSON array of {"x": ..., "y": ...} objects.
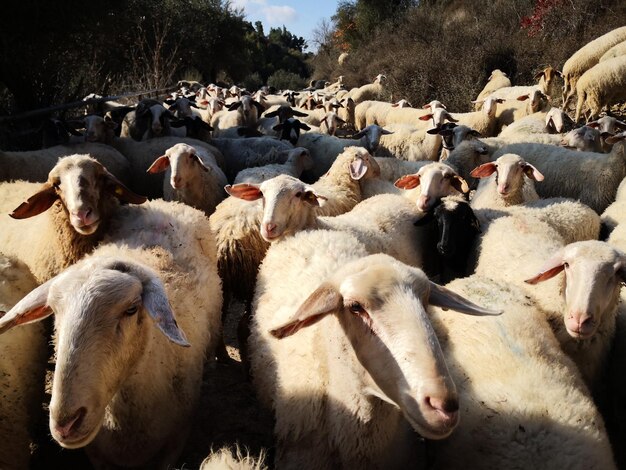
[
  {"x": 510, "y": 182},
  {"x": 23, "y": 358},
  {"x": 524, "y": 404},
  {"x": 601, "y": 85},
  {"x": 299, "y": 159},
  {"x": 191, "y": 176},
  {"x": 34, "y": 165},
  {"x": 497, "y": 79},
  {"x": 590, "y": 177},
  {"x": 254, "y": 151},
  {"x": 585, "y": 58},
  {"x": 150, "y": 119},
  {"x": 355, "y": 429},
  {"x": 324, "y": 148},
  {"x": 121, "y": 351},
  {"x": 82, "y": 197}
]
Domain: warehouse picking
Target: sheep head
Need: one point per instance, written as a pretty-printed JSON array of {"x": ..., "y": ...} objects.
[{"x": 84, "y": 188}]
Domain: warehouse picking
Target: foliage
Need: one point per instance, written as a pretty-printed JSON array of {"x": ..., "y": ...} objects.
[{"x": 284, "y": 80}]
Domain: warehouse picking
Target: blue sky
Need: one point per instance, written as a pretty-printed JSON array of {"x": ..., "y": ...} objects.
[{"x": 299, "y": 16}]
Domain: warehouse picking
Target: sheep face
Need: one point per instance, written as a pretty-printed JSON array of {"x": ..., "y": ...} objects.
[
  {"x": 102, "y": 312},
  {"x": 436, "y": 180},
  {"x": 510, "y": 170},
  {"x": 186, "y": 166},
  {"x": 457, "y": 227},
  {"x": 84, "y": 188},
  {"x": 97, "y": 129},
  {"x": 288, "y": 204},
  {"x": 594, "y": 272},
  {"x": 585, "y": 139},
  {"x": 381, "y": 306}
]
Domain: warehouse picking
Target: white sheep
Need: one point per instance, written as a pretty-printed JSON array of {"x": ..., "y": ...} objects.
[
  {"x": 325, "y": 148},
  {"x": 371, "y": 91},
  {"x": 383, "y": 113},
  {"x": 73, "y": 208},
  {"x": 192, "y": 176},
  {"x": 435, "y": 180},
  {"x": 585, "y": 58},
  {"x": 602, "y": 85},
  {"x": 509, "y": 181},
  {"x": 243, "y": 112},
  {"x": 523, "y": 402},
  {"x": 133, "y": 324},
  {"x": 615, "y": 51},
  {"x": 244, "y": 228},
  {"x": 298, "y": 160},
  {"x": 483, "y": 121},
  {"x": 23, "y": 358},
  {"x": 330, "y": 314},
  {"x": 150, "y": 119},
  {"x": 225, "y": 459},
  {"x": 584, "y": 138},
  {"x": 330, "y": 122},
  {"x": 591, "y": 177},
  {"x": 497, "y": 79},
  {"x": 520, "y": 106},
  {"x": 615, "y": 213}
]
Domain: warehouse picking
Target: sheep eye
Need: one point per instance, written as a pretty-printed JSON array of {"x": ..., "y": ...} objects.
[
  {"x": 566, "y": 265},
  {"x": 356, "y": 307},
  {"x": 131, "y": 311},
  {"x": 299, "y": 194}
]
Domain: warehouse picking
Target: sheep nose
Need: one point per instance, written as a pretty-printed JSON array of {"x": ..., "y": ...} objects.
[
  {"x": 422, "y": 202},
  {"x": 176, "y": 182},
  {"x": 67, "y": 426},
  {"x": 83, "y": 216},
  {"x": 448, "y": 408},
  {"x": 503, "y": 188},
  {"x": 581, "y": 323},
  {"x": 269, "y": 228}
]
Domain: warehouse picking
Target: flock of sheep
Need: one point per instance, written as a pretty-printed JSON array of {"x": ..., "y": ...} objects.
[{"x": 432, "y": 292}]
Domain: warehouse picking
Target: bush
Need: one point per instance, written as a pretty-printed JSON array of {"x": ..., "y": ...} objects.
[
  {"x": 284, "y": 80},
  {"x": 252, "y": 82}
]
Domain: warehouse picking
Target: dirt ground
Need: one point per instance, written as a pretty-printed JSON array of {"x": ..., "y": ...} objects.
[{"x": 228, "y": 414}]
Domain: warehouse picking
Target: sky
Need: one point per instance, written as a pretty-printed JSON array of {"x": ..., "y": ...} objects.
[{"x": 300, "y": 17}]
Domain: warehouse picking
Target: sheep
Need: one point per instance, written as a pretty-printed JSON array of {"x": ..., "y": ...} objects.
[
  {"x": 180, "y": 106},
  {"x": 608, "y": 124},
  {"x": 330, "y": 123},
  {"x": 483, "y": 121},
  {"x": 299, "y": 159},
  {"x": 245, "y": 153},
  {"x": 615, "y": 51},
  {"x": 383, "y": 113},
  {"x": 497, "y": 79},
  {"x": 585, "y": 139},
  {"x": 335, "y": 354},
  {"x": 515, "y": 109},
  {"x": 82, "y": 197},
  {"x": 23, "y": 358},
  {"x": 121, "y": 351},
  {"x": 223, "y": 459},
  {"x": 590, "y": 177},
  {"x": 34, "y": 165},
  {"x": 615, "y": 213},
  {"x": 468, "y": 155},
  {"x": 150, "y": 119},
  {"x": 435, "y": 180},
  {"x": 244, "y": 230},
  {"x": 510, "y": 182},
  {"x": 290, "y": 130},
  {"x": 324, "y": 148},
  {"x": 246, "y": 113},
  {"x": 191, "y": 176},
  {"x": 523, "y": 402},
  {"x": 514, "y": 249},
  {"x": 557, "y": 121},
  {"x": 601, "y": 85},
  {"x": 452, "y": 136},
  {"x": 391, "y": 168},
  {"x": 585, "y": 58},
  {"x": 371, "y": 91}
]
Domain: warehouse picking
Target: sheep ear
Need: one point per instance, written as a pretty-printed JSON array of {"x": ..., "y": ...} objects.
[
  {"x": 615, "y": 138},
  {"x": 323, "y": 301},
  {"x": 358, "y": 169},
  {"x": 395, "y": 105},
  {"x": 523, "y": 97},
  {"x": 158, "y": 307},
  {"x": 234, "y": 106},
  {"x": 200, "y": 162},
  {"x": 554, "y": 266},
  {"x": 425, "y": 117},
  {"x": 459, "y": 184},
  {"x": 298, "y": 113},
  {"x": 278, "y": 127},
  {"x": 260, "y": 108},
  {"x": 311, "y": 197},
  {"x": 303, "y": 126},
  {"x": 447, "y": 299},
  {"x": 386, "y": 132},
  {"x": 620, "y": 124},
  {"x": 449, "y": 117},
  {"x": 121, "y": 191},
  {"x": 359, "y": 134},
  {"x": 484, "y": 170},
  {"x": 408, "y": 182},
  {"x": 532, "y": 172},
  {"x": 39, "y": 202},
  {"x": 538, "y": 75},
  {"x": 30, "y": 309},
  {"x": 159, "y": 165},
  {"x": 245, "y": 191}
]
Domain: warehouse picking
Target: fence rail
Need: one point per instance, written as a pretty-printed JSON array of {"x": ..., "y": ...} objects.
[{"x": 77, "y": 104}]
